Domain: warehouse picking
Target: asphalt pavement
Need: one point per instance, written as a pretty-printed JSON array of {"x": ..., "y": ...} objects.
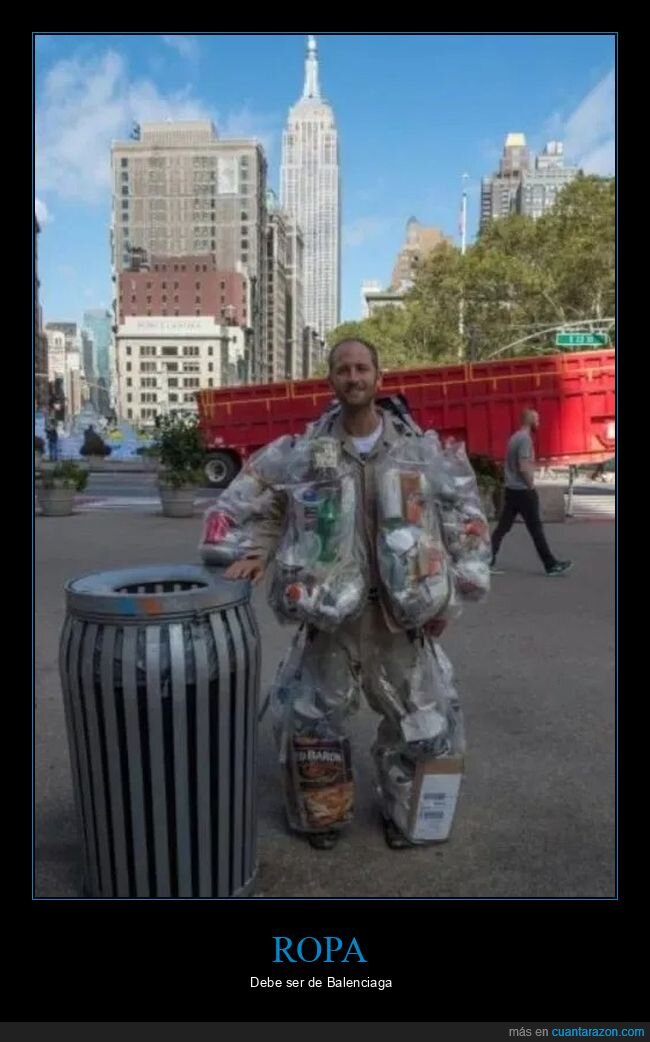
[{"x": 535, "y": 672}]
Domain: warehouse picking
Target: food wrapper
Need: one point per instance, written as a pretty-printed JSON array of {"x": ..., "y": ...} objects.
[{"x": 411, "y": 553}]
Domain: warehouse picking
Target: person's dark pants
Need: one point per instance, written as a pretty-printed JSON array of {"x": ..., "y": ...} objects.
[
  {"x": 524, "y": 502},
  {"x": 53, "y": 446}
]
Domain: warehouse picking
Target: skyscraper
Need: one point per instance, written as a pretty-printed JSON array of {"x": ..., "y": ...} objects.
[
  {"x": 179, "y": 189},
  {"x": 539, "y": 187},
  {"x": 97, "y": 323},
  {"x": 499, "y": 193},
  {"x": 310, "y": 194}
]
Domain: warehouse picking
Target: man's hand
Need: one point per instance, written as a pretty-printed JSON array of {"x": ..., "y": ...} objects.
[
  {"x": 252, "y": 569},
  {"x": 435, "y": 628}
]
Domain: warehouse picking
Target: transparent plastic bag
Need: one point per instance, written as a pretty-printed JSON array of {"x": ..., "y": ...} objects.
[
  {"x": 431, "y": 731},
  {"x": 319, "y": 575},
  {"x": 465, "y": 527},
  {"x": 310, "y": 697},
  {"x": 229, "y": 526},
  {"x": 411, "y": 553}
]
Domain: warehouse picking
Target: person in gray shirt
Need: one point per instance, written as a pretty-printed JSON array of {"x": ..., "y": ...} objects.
[{"x": 522, "y": 498}]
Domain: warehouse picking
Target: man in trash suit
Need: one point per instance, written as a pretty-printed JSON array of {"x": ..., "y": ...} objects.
[{"x": 376, "y": 650}]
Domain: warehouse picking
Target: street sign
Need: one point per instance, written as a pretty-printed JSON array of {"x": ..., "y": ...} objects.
[{"x": 581, "y": 339}]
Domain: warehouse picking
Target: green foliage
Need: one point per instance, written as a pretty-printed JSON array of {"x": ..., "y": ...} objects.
[
  {"x": 520, "y": 276},
  {"x": 179, "y": 447},
  {"x": 67, "y": 474}
]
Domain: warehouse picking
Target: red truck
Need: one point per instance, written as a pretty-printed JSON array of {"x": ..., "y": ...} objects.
[{"x": 480, "y": 402}]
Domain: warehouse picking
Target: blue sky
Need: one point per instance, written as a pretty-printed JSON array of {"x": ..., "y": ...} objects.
[{"x": 414, "y": 113}]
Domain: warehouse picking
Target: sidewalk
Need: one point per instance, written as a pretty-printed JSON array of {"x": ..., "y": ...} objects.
[{"x": 535, "y": 672}]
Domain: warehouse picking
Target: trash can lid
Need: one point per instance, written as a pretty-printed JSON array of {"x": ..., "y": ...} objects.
[{"x": 152, "y": 592}]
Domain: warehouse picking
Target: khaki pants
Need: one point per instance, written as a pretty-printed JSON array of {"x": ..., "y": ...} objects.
[{"x": 405, "y": 679}]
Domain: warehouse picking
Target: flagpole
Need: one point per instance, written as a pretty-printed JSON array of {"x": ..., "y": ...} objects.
[{"x": 463, "y": 248}]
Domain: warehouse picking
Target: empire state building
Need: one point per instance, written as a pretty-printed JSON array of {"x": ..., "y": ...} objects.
[{"x": 310, "y": 193}]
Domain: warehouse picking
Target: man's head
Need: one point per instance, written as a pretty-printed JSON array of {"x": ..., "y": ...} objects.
[
  {"x": 530, "y": 418},
  {"x": 354, "y": 373}
]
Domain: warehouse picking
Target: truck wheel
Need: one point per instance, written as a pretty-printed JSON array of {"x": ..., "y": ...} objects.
[{"x": 220, "y": 468}]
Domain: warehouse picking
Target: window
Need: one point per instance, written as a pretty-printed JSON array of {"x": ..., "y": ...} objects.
[
  {"x": 129, "y": 397},
  {"x": 125, "y": 204},
  {"x": 172, "y": 381},
  {"x": 188, "y": 397},
  {"x": 124, "y": 162},
  {"x": 128, "y": 349},
  {"x": 147, "y": 367},
  {"x": 133, "y": 298},
  {"x": 148, "y": 285},
  {"x": 129, "y": 414},
  {"x": 175, "y": 285},
  {"x": 149, "y": 300},
  {"x": 164, "y": 298},
  {"x": 171, "y": 367},
  {"x": 210, "y": 350},
  {"x": 175, "y": 298},
  {"x": 164, "y": 285},
  {"x": 197, "y": 285},
  {"x": 128, "y": 367},
  {"x": 125, "y": 189},
  {"x": 125, "y": 175},
  {"x": 173, "y": 397},
  {"x": 197, "y": 267},
  {"x": 148, "y": 396},
  {"x": 205, "y": 267},
  {"x": 147, "y": 351},
  {"x": 191, "y": 381},
  {"x": 244, "y": 244},
  {"x": 192, "y": 351},
  {"x": 129, "y": 382},
  {"x": 244, "y": 258},
  {"x": 197, "y": 300},
  {"x": 169, "y": 351},
  {"x": 210, "y": 382}
]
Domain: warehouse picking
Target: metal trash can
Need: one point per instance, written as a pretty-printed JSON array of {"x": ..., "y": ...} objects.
[{"x": 160, "y": 674}]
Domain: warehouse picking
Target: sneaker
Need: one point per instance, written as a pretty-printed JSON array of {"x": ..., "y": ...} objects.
[
  {"x": 323, "y": 840},
  {"x": 560, "y": 568}
]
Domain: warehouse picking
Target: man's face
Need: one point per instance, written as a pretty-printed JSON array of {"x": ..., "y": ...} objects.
[{"x": 353, "y": 376}]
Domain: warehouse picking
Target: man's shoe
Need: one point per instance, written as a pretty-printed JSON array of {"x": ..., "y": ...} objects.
[
  {"x": 560, "y": 568},
  {"x": 395, "y": 839},
  {"x": 323, "y": 840}
]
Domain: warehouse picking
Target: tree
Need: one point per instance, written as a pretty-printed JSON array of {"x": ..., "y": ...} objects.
[{"x": 521, "y": 275}]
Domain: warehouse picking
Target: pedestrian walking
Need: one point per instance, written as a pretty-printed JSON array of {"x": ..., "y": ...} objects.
[{"x": 521, "y": 497}]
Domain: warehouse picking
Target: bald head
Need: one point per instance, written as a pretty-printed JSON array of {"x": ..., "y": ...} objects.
[{"x": 530, "y": 418}]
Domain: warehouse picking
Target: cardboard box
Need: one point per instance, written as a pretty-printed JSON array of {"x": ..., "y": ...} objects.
[{"x": 433, "y": 798}]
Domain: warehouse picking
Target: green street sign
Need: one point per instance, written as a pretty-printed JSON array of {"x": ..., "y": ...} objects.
[{"x": 581, "y": 339}]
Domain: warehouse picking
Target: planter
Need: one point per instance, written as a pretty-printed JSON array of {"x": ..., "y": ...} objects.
[
  {"x": 177, "y": 502},
  {"x": 56, "y": 502}
]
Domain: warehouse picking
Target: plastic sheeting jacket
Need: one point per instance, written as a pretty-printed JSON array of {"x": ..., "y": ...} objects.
[{"x": 269, "y": 530}]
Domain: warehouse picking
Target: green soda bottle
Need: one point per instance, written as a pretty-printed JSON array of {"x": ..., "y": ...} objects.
[{"x": 327, "y": 527}]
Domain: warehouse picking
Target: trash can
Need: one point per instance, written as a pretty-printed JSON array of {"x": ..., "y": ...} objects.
[{"x": 160, "y": 674}]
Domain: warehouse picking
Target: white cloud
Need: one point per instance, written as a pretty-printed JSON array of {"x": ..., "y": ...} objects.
[
  {"x": 588, "y": 132},
  {"x": 86, "y": 104},
  {"x": 360, "y": 231},
  {"x": 42, "y": 213},
  {"x": 187, "y": 46}
]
